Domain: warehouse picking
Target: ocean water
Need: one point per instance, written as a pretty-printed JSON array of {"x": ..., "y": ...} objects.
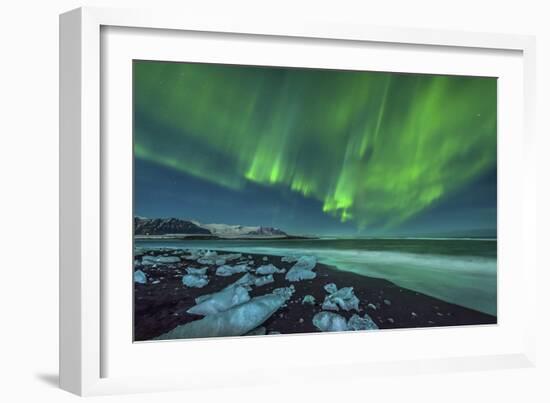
[{"x": 459, "y": 271}]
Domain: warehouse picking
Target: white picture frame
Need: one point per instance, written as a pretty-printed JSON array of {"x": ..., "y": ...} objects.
[{"x": 96, "y": 357}]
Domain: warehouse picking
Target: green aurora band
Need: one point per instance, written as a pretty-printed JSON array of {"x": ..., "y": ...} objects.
[{"x": 375, "y": 148}]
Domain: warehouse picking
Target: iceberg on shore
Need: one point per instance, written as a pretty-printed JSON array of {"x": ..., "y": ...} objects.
[
  {"x": 269, "y": 269},
  {"x": 247, "y": 281},
  {"x": 302, "y": 269},
  {"x": 361, "y": 323},
  {"x": 192, "y": 256},
  {"x": 236, "y": 321},
  {"x": 207, "y": 260},
  {"x": 285, "y": 292},
  {"x": 194, "y": 280},
  {"x": 192, "y": 270},
  {"x": 140, "y": 277},
  {"x": 231, "y": 256},
  {"x": 151, "y": 260},
  {"x": 221, "y": 301},
  {"x": 330, "y": 288},
  {"x": 263, "y": 280},
  {"x": 329, "y": 322},
  {"x": 259, "y": 331},
  {"x": 332, "y": 322},
  {"x": 226, "y": 270},
  {"x": 344, "y": 298}
]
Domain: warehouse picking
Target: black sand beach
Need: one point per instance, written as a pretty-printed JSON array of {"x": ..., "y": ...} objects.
[{"x": 160, "y": 305}]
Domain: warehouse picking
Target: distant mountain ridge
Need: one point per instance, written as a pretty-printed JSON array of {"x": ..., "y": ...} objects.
[
  {"x": 226, "y": 230},
  {"x": 165, "y": 226},
  {"x": 176, "y": 226}
]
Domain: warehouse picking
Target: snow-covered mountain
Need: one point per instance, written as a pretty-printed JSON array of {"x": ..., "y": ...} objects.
[
  {"x": 176, "y": 226},
  {"x": 237, "y": 231}
]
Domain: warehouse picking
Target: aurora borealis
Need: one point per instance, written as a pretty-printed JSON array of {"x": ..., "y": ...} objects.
[{"x": 352, "y": 151}]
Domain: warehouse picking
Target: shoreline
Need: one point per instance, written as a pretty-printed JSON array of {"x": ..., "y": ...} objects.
[
  {"x": 161, "y": 304},
  {"x": 194, "y": 237},
  {"x": 210, "y": 237}
]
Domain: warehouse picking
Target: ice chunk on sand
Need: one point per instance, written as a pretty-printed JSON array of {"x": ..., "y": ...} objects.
[
  {"x": 231, "y": 256},
  {"x": 309, "y": 299},
  {"x": 219, "y": 262},
  {"x": 221, "y": 301},
  {"x": 259, "y": 331},
  {"x": 227, "y": 270},
  {"x": 207, "y": 260},
  {"x": 192, "y": 270},
  {"x": 286, "y": 292},
  {"x": 140, "y": 277},
  {"x": 289, "y": 259},
  {"x": 151, "y": 260},
  {"x": 344, "y": 298},
  {"x": 302, "y": 269},
  {"x": 247, "y": 280},
  {"x": 330, "y": 288},
  {"x": 269, "y": 269},
  {"x": 236, "y": 321},
  {"x": 194, "y": 254},
  {"x": 361, "y": 323},
  {"x": 263, "y": 280},
  {"x": 329, "y": 322},
  {"x": 194, "y": 280}
]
